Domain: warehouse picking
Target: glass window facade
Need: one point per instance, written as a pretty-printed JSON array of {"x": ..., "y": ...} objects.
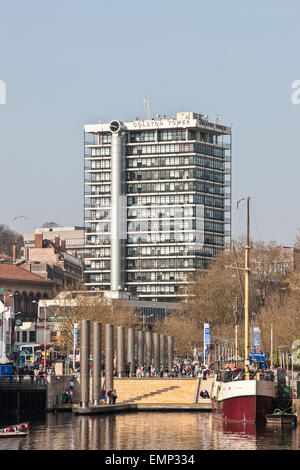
[{"x": 177, "y": 190}]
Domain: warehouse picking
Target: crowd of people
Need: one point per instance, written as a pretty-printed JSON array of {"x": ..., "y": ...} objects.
[
  {"x": 36, "y": 374},
  {"x": 179, "y": 369},
  {"x": 67, "y": 396},
  {"x": 110, "y": 398}
]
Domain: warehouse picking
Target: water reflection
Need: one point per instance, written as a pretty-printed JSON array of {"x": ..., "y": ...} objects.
[{"x": 151, "y": 431}]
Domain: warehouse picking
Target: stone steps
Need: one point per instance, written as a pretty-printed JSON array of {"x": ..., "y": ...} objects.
[
  {"x": 155, "y": 390},
  {"x": 205, "y": 385}
]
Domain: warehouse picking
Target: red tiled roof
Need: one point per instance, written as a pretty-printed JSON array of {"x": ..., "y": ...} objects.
[{"x": 11, "y": 271}]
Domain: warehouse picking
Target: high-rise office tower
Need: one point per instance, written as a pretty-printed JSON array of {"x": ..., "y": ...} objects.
[{"x": 157, "y": 202}]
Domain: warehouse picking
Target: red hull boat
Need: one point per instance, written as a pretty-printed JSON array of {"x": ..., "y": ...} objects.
[
  {"x": 243, "y": 400},
  {"x": 243, "y": 397}
]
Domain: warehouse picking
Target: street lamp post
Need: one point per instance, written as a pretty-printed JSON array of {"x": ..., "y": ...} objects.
[
  {"x": 45, "y": 336},
  {"x": 144, "y": 317}
]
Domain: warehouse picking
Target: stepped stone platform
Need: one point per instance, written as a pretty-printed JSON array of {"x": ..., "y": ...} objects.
[
  {"x": 76, "y": 409},
  {"x": 155, "y": 390},
  {"x": 154, "y": 394}
]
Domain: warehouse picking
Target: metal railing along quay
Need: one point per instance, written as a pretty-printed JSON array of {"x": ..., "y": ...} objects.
[{"x": 21, "y": 380}]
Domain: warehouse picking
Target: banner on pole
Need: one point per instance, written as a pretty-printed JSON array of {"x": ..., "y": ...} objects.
[
  {"x": 256, "y": 339},
  {"x": 75, "y": 338},
  {"x": 206, "y": 334}
]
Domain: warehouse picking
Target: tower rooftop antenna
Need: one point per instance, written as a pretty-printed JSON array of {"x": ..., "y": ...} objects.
[{"x": 147, "y": 107}]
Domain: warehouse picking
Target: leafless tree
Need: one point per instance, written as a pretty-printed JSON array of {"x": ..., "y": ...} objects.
[{"x": 9, "y": 238}]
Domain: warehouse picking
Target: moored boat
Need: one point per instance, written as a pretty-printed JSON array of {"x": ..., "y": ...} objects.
[
  {"x": 15, "y": 430},
  {"x": 243, "y": 396},
  {"x": 240, "y": 400},
  {"x": 281, "y": 418}
]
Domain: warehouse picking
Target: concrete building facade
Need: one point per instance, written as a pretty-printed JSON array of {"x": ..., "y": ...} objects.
[
  {"x": 71, "y": 239},
  {"x": 23, "y": 289},
  {"x": 51, "y": 261},
  {"x": 157, "y": 203},
  {"x": 20, "y": 293}
]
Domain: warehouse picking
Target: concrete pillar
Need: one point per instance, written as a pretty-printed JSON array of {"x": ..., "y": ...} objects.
[
  {"x": 170, "y": 352},
  {"x": 116, "y": 191},
  {"x": 109, "y": 358},
  {"x": 156, "y": 352},
  {"x": 121, "y": 351},
  {"x": 84, "y": 363},
  {"x": 96, "y": 363},
  {"x": 131, "y": 351},
  {"x": 148, "y": 348},
  {"x": 163, "y": 351},
  {"x": 141, "y": 360}
]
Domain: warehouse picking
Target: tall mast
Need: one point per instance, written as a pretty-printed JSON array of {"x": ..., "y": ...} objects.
[
  {"x": 246, "y": 288},
  {"x": 247, "y": 284}
]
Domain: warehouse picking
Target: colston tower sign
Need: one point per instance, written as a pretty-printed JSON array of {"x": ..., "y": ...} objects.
[
  {"x": 183, "y": 120},
  {"x": 170, "y": 123}
]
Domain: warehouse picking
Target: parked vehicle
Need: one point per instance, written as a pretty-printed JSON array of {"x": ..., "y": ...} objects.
[{"x": 29, "y": 354}]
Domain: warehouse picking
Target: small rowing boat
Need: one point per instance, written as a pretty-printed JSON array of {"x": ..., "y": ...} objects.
[{"x": 15, "y": 430}]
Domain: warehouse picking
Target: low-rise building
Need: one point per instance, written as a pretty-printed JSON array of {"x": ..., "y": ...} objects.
[
  {"x": 20, "y": 292},
  {"x": 22, "y": 289},
  {"x": 146, "y": 310},
  {"x": 71, "y": 239},
  {"x": 51, "y": 261}
]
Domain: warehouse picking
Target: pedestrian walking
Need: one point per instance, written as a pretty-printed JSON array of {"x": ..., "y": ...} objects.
[
  {"x": 31, "y": 375},
  {"x": 109, "y": 397},
  {"x": 64, "y": 397},
  {"x": 21, "y": 374}
]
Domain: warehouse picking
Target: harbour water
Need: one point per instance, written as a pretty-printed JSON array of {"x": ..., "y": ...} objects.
[{"x": 147, "y": 431}]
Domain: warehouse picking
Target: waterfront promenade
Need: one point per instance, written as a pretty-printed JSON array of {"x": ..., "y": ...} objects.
[
  {"x": 149, "y": 393},
  {"x": 101, "y": 409}
]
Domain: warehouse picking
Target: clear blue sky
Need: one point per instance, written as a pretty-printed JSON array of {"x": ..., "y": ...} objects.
[{"x": 68, "y": 63}]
